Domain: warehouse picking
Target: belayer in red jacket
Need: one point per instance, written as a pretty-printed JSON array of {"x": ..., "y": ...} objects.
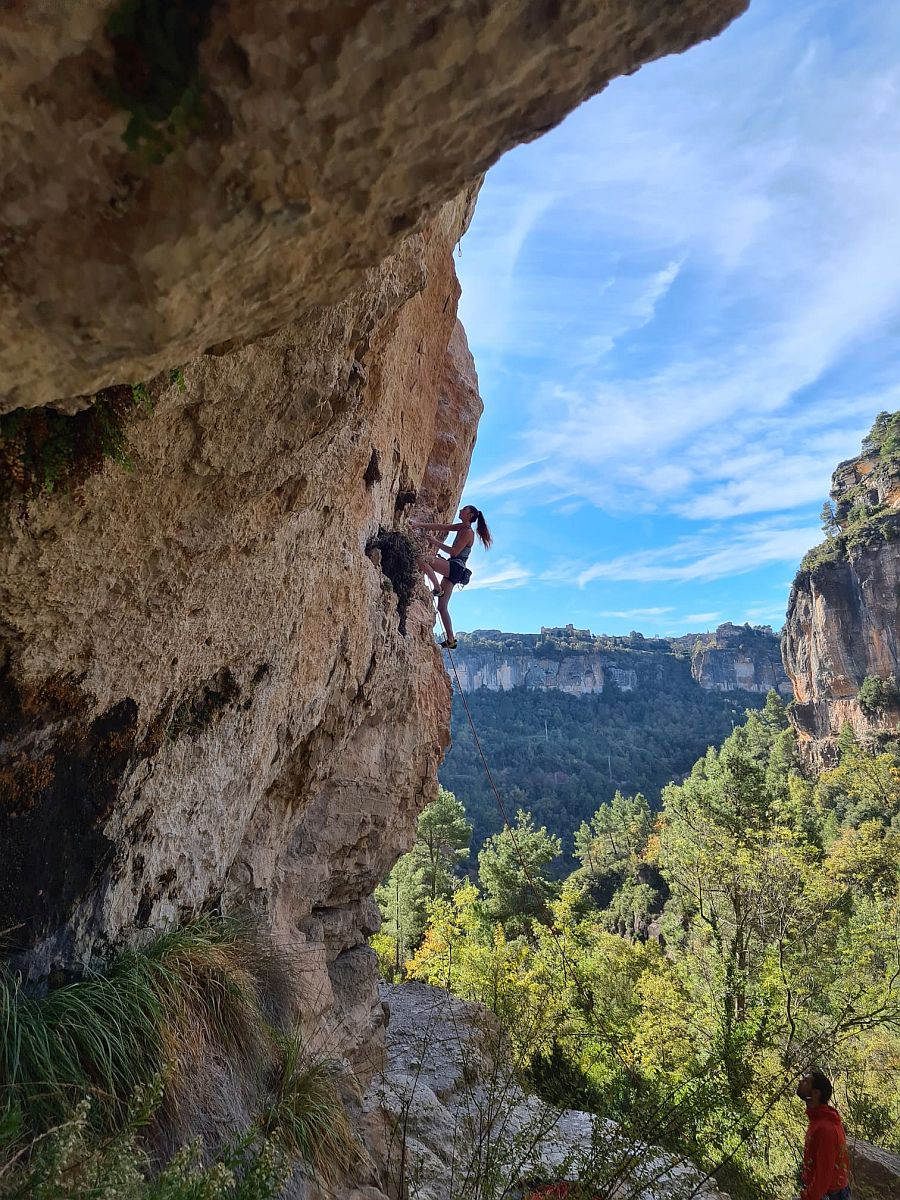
[{"x": 826, "y": 1163}]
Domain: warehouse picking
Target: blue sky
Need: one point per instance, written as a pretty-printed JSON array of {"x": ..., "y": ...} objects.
[{"x": 684, "y": 306}]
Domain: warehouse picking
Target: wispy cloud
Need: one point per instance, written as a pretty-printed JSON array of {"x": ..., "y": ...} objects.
[
  {"x": 684, "y": 304},
  {"x": 637, "y": 614},
  {"x": 707, "y": 556},
  {"x": 732, "y": 190},
  {"x": 501, "y": 576}
]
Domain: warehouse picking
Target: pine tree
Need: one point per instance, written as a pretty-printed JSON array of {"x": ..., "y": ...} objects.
[
  {"x": 512, "y": 867},
  {"x": 443, "y": 837}
]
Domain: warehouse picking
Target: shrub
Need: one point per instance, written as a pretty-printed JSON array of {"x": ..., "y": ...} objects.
[
  {"x": 831, "y": 551},
  {"x": 876, "y": 694},
  {"x": 306, "y": 1115},
  {"x": 85, "y": 1067},
  {"x": 398, "y": 564},
  {"x": 71, "y": 1162},
  {"x": 154, "y": 1011}
]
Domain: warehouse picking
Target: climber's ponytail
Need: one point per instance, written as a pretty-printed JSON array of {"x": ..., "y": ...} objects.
[{"x": 481, "y": 527}]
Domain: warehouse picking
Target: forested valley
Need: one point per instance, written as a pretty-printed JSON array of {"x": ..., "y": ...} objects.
[
  {"x": 559, "y": 755},
  {"x": 684, "y": 966}
]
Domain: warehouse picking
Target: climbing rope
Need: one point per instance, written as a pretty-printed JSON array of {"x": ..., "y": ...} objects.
[{"x": 567, "y": 965}]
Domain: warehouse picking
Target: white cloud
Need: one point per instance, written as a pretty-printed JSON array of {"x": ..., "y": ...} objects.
[
  {"x": 500, "y": 576},
  {"x": 720, "y": 247},
  {"x": 714, "y": 554},
  {"x": 703, "y": 618},
  {"x": 637, "y": 614}
]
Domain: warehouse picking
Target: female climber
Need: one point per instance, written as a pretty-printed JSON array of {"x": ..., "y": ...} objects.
[{"x": 446, "y": 573}]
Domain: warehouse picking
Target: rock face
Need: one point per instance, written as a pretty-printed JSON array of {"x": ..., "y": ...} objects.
[
  {"x": 734, "y": 658},
  {"x": 843, "y": 623},
  {"x": 876, "y": 1172},
  {"x": 209, "y": 692},
  {"x": 739, "y": 657},
  {"x": 155, "y": 201},
  {"x": 447, "y": 1105}
]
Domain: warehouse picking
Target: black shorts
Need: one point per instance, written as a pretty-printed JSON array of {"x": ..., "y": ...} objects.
[{"x": 457, "y": 572}]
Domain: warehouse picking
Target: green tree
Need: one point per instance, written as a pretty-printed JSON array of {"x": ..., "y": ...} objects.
[
  {"x": 402, "y": 899},
  {"x": 829, "y": 520},
  {"x": 513, "y": 868},
  {"x": 443, "y": 836},
  {"x": 616, "y": 835}
]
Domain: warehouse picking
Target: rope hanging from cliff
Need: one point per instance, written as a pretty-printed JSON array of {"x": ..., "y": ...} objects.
[{"x": 567, "y": 965}]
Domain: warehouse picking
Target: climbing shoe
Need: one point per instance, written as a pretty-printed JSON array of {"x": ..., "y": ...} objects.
[{"x": 448, "y": 644}]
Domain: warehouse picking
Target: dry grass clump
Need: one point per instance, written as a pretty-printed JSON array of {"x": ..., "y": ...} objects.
[
  {"x": 78, "y": 1064},
  {"x": 307, "y": 1116}
]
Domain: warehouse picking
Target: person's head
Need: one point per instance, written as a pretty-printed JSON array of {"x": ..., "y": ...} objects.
[
  {"x": 814, "y": 1089},
  {"x": 474, "y": 516}
]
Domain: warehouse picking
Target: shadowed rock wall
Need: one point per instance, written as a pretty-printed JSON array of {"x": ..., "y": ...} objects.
[{"x": 158, "y": 201}]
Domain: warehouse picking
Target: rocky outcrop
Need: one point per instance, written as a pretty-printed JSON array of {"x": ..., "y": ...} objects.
[
  {"x": 157, "y": 198},
  {"x": 875, "y": 1172},
  {"x": 480, "y": 666},
  {"x": 842, "y": 634},
  {"x": 447, "y": 1107},
  {"x": 208, "y": 697},
  {"x": 739, "y": 657},
  {"x": 734, "y": 658}
]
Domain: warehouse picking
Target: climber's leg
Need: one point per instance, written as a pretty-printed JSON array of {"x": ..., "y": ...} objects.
[
  {"x": 436, "y": 569},
  {"x": 444, "y": 610}
]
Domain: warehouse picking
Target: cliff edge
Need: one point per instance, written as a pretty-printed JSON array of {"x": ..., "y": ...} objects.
[
  {"x": 842, "y": 635},
  {"x": 734, "y": 658}
]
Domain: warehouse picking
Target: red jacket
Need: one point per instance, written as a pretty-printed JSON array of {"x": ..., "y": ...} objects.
[{"x": 826, "y": 1164}]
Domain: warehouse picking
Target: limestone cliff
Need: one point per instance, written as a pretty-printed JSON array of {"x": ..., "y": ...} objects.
[
  {"x": 211, "y": 694},
  {"x": 739, "y": 657},
  {"x": 207, "y": 694},
  {"x": 734, "y": 658},
  {"x": 842, "y": 635}
]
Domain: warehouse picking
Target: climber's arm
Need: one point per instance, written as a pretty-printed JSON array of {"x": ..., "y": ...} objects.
[
  {"x": 438, "y": 544},
  {"x": 425, "y": 525}
]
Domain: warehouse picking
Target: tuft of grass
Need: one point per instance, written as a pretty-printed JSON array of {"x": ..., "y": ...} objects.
[
  {"x": 100, "y": 1036},
  {"x": 85, "y": 1066},
  {"x": 194, "y": 990},
  {"x": 176, "y": 377},
  {"x": 209, "y": 977},
  {"x": 307, "y": 1116}
]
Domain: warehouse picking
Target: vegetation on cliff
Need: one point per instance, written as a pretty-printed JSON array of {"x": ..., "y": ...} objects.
[
  {"x": 95, "y": 1072},
  {"x": 859, "y": 515},
  {"x": 695, "y": 962},
  {"x": 43, "y": 451}
]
